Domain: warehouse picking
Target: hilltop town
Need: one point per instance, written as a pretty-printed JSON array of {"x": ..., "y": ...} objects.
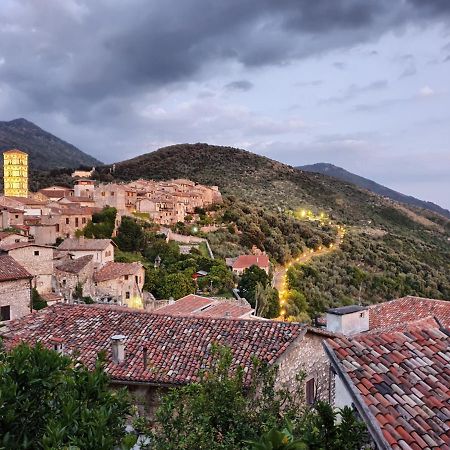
[{"x": 85, "y": 268}]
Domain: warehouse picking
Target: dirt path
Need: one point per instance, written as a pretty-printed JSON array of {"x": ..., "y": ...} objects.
[{"x": 279, "y": 277}]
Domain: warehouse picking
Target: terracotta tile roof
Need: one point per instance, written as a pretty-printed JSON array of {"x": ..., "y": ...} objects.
[
  {"x": 85, "y": 244},
  {"x": 389, "y": 314},
  {"x": 196, "y": 305},
  {"x": 245, "y": 261},
  {"x": 113, "y": 270},
  {"x": 404, "y": 381},
  {"x": 11, "y": 270},
  {"x": 177, "y": 347},
  {"x": 74, "y": 265}
]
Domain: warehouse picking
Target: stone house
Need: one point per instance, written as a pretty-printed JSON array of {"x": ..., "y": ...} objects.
[
  {"x": 84, "y": 188},
  {"x": 44, "y": 234},
  {"x": 149, "y": 352},
  {"x": 120, "y": 283},
  {"x": 69, "y": 273},
  {"x": 37, "y": 260},
  {"x": 118, "y": 196},
  {"x": 102, "y": 250},
  {"x": 15, "y": 289},
  {"x": 10, "y": 237},
  {"x": 68, "y": 219},
  {"x": 9, "y": 217}
]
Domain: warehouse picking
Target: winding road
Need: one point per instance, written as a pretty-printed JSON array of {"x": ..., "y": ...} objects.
[{"x": 279, "y": 277}]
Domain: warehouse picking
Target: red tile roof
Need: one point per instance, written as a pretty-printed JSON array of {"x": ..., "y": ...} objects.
[
  {"x": 246, "y": 261},
  {"x": 113, "y": 270},
  {"x": 11, "y": 270},
  {"x": 404, "y": 381},
  {"x": 397, "y": 312},
  {"x": 177, "y": 347},
  {"x": 196, "y": 305},
  {"x": 16, "y": 245}
]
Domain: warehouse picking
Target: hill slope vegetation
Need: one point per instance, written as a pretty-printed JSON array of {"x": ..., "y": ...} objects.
[{"x": 381, "y": 232}]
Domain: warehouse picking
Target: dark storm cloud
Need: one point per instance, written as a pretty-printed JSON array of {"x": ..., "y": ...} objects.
[
  {"x": 240, "y": 85},
  {"x": 70, "y": 55}
]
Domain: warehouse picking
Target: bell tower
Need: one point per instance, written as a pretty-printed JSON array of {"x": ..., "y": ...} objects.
[{"x": 15, "y": 170}]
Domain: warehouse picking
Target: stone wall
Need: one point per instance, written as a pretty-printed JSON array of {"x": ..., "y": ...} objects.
[
  {"x": 306, "y": 355},
  {"x": 17, "y": 295},
  {"x": 39, "y": 265}
]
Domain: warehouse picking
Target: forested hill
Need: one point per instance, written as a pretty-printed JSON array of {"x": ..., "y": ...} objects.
[
  {"x": 45, "y": 150},
  {"x": 344, "y": 175},
  {"x": 259, "y": 179},
  {"x": 394, "y": 248}
]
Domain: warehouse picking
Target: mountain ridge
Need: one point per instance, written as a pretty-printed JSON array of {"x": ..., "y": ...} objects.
[
  {"x": 365, "y": 183},
  {"x": 45, "y": 150}
]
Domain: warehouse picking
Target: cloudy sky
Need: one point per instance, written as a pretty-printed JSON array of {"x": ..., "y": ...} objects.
[{"x": 363, "y": 84}]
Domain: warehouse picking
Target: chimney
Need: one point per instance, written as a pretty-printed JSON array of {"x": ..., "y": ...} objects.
[
  {"x": 118, "y": 348},
  {"x": 348, "y": 320},
  {"x": 58, "y": 345}
]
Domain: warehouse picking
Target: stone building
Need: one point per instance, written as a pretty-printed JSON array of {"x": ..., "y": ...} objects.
[
  {"x": 10, "y": 217},
  {"x": 102, "y": 250},
  {"x": 119, "y": 196},
  {"x": 159, "y": 351},
  {"x": 10, "y": 237},
  {"x": 15, "y": 289},
  {"x": 84, "y": 188},
  {"x": 120, "y": 284},
  {"x": 71, "y": 273},
  {"x": 36, "y": 259}
]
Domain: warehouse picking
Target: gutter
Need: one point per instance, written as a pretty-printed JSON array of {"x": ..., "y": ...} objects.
[{"x": 363, "y": 410}]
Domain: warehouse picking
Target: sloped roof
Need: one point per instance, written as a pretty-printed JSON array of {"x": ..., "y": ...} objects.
[
  {"x": 74, "y": 265},
  {"x": 113, "y": 270},
  {"x": 85, "y": 244},
  {"x": 11, "y": 270},
  {"x": 389, "y": 314},
  {"x": 246, "y": 261},
  {"x": 403, "y": 379},
  {"x": 196, "y": 305},
  {"x": 16, "y": 245},
  {"x": 177, "y": 347}
]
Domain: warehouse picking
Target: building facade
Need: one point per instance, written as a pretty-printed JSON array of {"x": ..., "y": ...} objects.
[{"x": 15, "y": 170}]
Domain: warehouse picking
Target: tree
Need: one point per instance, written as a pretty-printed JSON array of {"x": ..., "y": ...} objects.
[
  {"x": 102, "y": 224},
  {"x": 177, "y": 285},
  {"x": 47, "y": 401},
  {"x": 224, "y": 412},
  {"x": 250, "y": 278},
  {"x": 130, "y": 236}
]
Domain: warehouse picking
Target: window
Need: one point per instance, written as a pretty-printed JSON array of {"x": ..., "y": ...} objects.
[
  {"x": 5, "y": 313},
  {"x": 83, "y": 220},
  {"x": 112, "y": 194},
  {"x": 127, "y": 294},
  {"x": 16, "y": 216},
  {"x": 310, "y": 391},
  {"x": 67, "y": 221},
  {"x": 103, "y": 194},
  {"x": 16, "y": 240},
  {"x": 36, "y": 253},
  {"x": 126, "y": 277},
  {"x": 77, "y": 220}
]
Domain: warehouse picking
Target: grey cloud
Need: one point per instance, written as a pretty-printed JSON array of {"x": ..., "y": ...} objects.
[{"x": 240, "y": 85}]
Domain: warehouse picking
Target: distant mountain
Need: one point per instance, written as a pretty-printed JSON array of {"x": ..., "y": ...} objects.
[
  {"x": 344, "y": 175},
  {"x": 45, "y": 150}
]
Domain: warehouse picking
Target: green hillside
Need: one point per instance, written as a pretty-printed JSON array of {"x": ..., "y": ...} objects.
[{"x": 405, "y": 250}]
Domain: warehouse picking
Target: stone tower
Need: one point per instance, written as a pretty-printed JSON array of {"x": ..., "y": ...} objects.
[{"x": 15, "y": 170}]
